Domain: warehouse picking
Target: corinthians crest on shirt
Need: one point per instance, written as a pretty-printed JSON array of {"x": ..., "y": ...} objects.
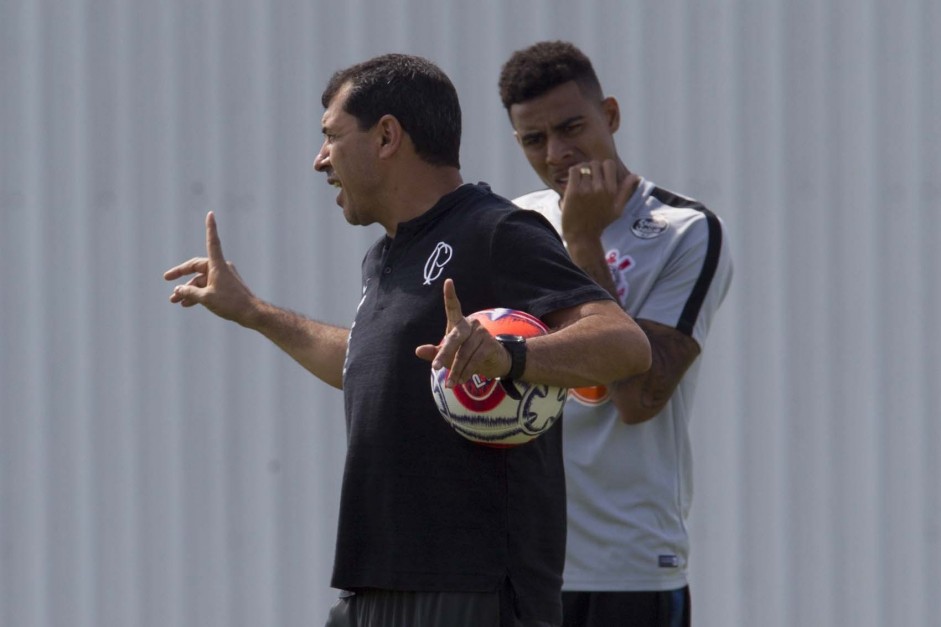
[{"x": 620, "y": 266}]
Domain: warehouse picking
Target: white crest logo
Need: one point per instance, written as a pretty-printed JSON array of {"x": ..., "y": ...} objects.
[
  {"x": 436, "y": 262},
  {"x": 649, "y": 228}
]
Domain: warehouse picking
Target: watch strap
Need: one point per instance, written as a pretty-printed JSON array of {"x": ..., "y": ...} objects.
[{"x": 516, "y": 346}]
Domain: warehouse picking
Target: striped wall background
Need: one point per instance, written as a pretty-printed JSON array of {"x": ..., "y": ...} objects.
[{"x": 160, "y": 467}]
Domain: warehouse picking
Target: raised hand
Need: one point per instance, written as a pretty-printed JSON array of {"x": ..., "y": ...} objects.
[
  {"x": 216, "y": 284},
  {"x": 594, "y": 198},
  {"x": 466, "y": 348}
]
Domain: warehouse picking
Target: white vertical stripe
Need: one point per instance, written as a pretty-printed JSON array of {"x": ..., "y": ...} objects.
[
  {"x": 855, "y": 325},
  {"x": 902, "y": 307},
  {"x": 27, "y": 549}
]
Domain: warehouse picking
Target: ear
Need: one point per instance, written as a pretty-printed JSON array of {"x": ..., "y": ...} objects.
[
  {"x": 612, "y": 113},
  {"x": 389, "y": 135}
]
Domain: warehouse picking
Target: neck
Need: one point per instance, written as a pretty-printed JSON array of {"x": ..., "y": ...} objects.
[{"x": 416, "y": 191}]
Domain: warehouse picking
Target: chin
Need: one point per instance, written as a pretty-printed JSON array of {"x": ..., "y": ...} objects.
[
  {"x": 357, "y": 218},
  {"x": 351, "y": 218}
]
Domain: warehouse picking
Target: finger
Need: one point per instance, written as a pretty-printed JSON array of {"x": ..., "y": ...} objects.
[
  {"x": 452, "y": 342},
  {"x": 196, "y": 264},
  {"x": 443, "y": 354},
  {"x": 609, "y": 173},
  {"x": 427, "y": 352},
  {"x": 625, "y": 187},
  {"x": 464, "y": 365},
  {"x": 188, "y": 295},
  {"x": 597, "y": 176},
  {"x": 452, "y": 305},
  {"x": 580, "y": 172},
  {"x": 199, "y": 280},
  {"x": 213, "y": 244}
]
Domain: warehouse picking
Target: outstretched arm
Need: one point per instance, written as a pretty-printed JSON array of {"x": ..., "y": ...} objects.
[{"x": 216, "y": 285}]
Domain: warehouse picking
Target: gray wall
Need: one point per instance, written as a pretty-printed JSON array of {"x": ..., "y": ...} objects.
[{"x": 162, "y": 467}]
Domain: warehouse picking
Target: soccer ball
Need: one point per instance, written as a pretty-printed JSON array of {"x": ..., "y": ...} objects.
[{"x": 494, "y": 413}]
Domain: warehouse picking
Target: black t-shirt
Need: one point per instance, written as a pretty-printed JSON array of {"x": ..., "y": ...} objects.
[{"x": 421, "y": 507}]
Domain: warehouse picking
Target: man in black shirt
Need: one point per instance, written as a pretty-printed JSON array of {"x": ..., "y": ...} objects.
[{"x": 434, "y": 530}]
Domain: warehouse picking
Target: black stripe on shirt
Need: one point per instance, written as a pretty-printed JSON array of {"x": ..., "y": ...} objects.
[{"x": 710, "y": 263}]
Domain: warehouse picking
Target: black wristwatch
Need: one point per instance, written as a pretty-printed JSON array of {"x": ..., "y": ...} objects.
[{"x": 516, "y": 346}]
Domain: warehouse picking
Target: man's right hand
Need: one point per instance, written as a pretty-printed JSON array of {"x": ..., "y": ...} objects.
[
  {"x": 594, "y": 198},
  {"x": 216, "y": 285}
]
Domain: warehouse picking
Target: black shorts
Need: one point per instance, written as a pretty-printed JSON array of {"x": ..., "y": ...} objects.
[
  {"x": 669, "y": 608},
  {"x": 393, "y": 608}
]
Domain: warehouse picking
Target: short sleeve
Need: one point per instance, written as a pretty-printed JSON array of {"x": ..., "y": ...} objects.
[
  {"x": 694, "y": 280},
  {"x": 531, "y": 269}
]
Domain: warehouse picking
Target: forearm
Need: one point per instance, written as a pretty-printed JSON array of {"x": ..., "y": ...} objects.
[
  {"x": 641, "y": 397},
  {"x": 318, "y": 347},
  {"x": 588, "y": 254},
  {"x": 602, "y": 346}
]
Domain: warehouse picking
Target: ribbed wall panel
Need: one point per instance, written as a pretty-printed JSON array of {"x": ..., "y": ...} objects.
[{"x": 161, "y": 467}]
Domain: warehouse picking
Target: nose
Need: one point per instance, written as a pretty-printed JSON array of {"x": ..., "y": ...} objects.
[
  {"x": 557, "y": 150},
  {"x": 322, "y": 160}
]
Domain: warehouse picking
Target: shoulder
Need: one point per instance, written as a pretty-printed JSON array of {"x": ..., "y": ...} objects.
[
  {"x": 663, "y": 212},
  {"x": 697, "y": 236},
  {"x": 486, "y": 210},
  {"x": 545, "y": 202},
  {"x": 475, "y": 200},
  {"x": 539, "y": 199}
]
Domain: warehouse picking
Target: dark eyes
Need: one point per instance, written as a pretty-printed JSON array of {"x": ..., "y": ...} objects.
[
  {"x": 536, "y": 140},
  {"x": 530, "y": 141}
]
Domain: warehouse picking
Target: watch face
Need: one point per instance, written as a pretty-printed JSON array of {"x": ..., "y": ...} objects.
[{"x": 516, "y": 339}]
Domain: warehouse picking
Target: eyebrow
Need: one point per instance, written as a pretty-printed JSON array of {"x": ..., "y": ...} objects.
[
  {"x": 326, "y": 123},
  {"x": 567, "y": 122},
  {"x": 555, "y": 127}
]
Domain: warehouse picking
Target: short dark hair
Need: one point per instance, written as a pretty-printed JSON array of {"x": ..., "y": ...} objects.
[
  {"x": 413, "y": 90},
  {"x": 535, "y": 70}
]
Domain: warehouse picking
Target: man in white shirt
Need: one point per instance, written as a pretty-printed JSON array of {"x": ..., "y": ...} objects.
[{"x": 665, "y": 258}]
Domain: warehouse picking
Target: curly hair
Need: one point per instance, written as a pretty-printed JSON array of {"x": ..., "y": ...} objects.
[
  {"x": 533, "y": 71},
  {"x": 413, "y": 90}
]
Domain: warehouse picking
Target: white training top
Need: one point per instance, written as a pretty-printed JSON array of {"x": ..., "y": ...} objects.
[{"x": 629, "y": 487}]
